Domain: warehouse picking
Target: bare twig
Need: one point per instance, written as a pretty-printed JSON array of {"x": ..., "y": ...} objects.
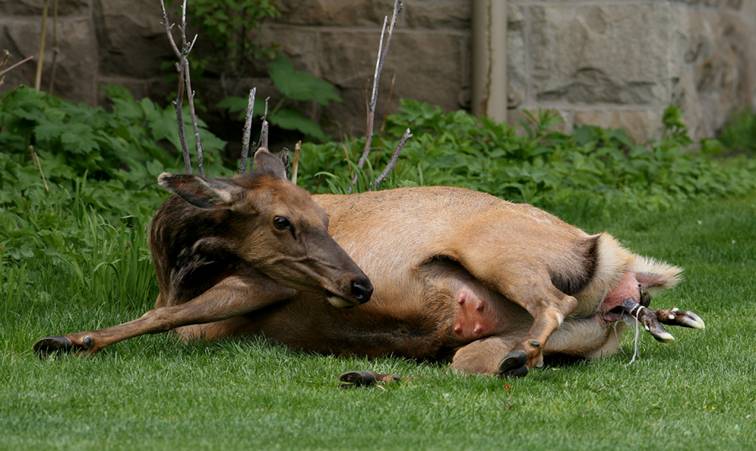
[
  {"x": 37, "y": 163},
  {"x": 55, "y": 49},
  {"x": 383, "y": 48},
  {"x": 295, "y": 162},
  {"x": 168, "y": 27},
  {"x": 193, "y": 114},
  {"x": 185, "y": 76},
  {"x": 394, "y": 157},
  {"x": 179, "y": 102},
  {"x": 264, "y": 127},
  {"x": 8, "y": 69},
  {"x": 247, "y": 134},
  {"x": 42, "y": 39}
]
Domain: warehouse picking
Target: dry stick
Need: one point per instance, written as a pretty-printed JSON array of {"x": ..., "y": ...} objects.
[
  {"x": 181, "y": 68},
  {"x": 193, "y": 114},
  {"x": 186, "y": 49},
  {"x": 264, "y": 128},
  {"x": 295, "y": 162},
  {"x": 42, "y": 39},
  {"x": 179, "y": 104},
  {"x": 247, "y": 134},
  {"x": 55, "y": 48},
  {"x": 8, "y": 69},
  {"x": 382, "y": 52},
  {"x": 35, "y": 158},
  {"x": 394, "y": 157}
]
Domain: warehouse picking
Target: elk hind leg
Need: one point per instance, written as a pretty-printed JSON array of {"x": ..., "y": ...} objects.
[
  {"x": 548, "y": 306},
  {"x": 484, "y": 356}
]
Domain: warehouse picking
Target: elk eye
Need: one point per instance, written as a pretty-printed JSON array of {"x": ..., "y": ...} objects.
[{"x": 281, "y": 223}]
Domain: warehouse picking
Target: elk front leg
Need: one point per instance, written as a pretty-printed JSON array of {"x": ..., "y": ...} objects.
[{"x": 233, "y": 296}]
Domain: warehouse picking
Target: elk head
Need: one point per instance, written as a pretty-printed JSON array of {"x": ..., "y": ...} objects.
[{"x": 277, "y": 228}]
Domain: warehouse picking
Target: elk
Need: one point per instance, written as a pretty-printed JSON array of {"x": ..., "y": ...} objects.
[{"x": 456, "y": 275}]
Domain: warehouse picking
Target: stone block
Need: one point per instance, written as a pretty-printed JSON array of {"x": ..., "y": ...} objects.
[
  {"x": 423, "y": 66},
  {"x": 417, "y": 14},
  {"x": 132, "y": 38},
  {"x": 350, "y": 13},
  {"x": 301, "y": 45},
  {"x": 76, "y": 63},
  {"x": 641, "y": 125},
  {"x": 437, "y": 14},
  {"x": 713, "y": 66},
  {"x": 517, "y": 64},
  {"x": 613, "y": 53},
  {"x": 35, "y": 7}
]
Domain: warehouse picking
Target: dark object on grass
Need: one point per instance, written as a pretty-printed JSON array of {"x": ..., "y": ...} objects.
[{"x": 354, "y": 379}]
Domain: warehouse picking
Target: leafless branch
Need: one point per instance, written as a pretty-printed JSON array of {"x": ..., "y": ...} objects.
[
  {"x": 247, "y": 131},
  {"x": 42, "y": 39},
  {"x": 394, "y": 157},
  {"x": 37, "y": 163},
  {"x": 8, "y": 69},
  {"x": 295, "y": 162},
  {"x": 264, "y": 127},
  {"x": 168, "y": 30},
  {"x": 383, "y": 48},
  {"x": 193, "y": 114},
  {"x": 55, "y": 49},
  {"x": 179, "y": 104},
  {"x": 185, "y": 76}
]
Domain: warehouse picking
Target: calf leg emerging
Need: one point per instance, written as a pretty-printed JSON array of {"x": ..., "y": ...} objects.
[{"x": 231, "y": 297}]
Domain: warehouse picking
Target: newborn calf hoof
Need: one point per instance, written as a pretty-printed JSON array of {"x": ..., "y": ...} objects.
[
  {"x": 514, "y": 364},
  {"x": 677, "y": 317}
]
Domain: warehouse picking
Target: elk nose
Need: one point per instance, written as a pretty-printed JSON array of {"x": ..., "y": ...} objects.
[{"x": 362, "y": 289}]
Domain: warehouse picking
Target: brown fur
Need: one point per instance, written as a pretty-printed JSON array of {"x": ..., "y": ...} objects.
[{"x": 458, "y": 275}]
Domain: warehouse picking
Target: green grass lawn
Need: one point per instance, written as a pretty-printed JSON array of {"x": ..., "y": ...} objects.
[{"x": 154, "y": 392}]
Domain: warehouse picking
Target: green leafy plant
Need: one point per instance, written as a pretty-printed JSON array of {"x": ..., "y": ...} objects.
[
  {"x": 229, "y": 27},
  {"x": 592, "y": 168},
  {"x": 229, "y": 48},
  {"x": 739, "y": 133},
  {"x": 62, "y": 160},
  {"x": 293, "y": 86}
]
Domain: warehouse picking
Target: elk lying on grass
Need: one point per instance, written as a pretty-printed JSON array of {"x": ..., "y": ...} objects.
[{"x": 459, "y": 275}]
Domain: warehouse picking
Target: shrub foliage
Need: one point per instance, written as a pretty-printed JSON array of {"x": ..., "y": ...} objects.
[{"x": 68, "y": 170}]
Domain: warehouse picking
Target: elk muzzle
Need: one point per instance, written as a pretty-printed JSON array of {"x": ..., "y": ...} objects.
[{"x": 360, "y": 290}]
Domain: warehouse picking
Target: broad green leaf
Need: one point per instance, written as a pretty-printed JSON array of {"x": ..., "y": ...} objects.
[
  {"x": 300, "y": 85},
  {"x": 294, "y": 120}
]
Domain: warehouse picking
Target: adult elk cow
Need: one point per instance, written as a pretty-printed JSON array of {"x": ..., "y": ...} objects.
[{"x": 461, "y": 275}]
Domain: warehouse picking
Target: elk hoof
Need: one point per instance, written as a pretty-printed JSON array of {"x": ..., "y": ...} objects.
[
  {"x": 53, "y": 345},
  {"x": 514, "y": 364}
]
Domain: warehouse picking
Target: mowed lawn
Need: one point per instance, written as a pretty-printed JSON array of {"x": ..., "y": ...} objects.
[{"x": 154, "y": 392}]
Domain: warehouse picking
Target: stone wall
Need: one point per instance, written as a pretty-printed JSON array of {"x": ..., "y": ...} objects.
[
  {"x": 606, "y": 62},
  {"x": 620, "y": 63}
]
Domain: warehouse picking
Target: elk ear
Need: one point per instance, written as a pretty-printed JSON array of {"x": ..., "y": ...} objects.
[
  {"x": 201, "y": 192},
  {"x": 268, "y": 164}
]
